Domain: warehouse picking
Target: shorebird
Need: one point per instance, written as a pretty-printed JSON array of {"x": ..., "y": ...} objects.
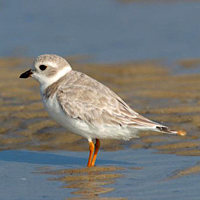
[{"x": 85, "y": 106}]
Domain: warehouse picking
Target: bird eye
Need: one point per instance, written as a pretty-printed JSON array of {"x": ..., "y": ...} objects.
[{"x": 42, "y": 67}]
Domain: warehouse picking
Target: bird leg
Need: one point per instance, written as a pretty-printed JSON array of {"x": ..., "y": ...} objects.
[
  {"x": 91, "y": 148},
  {"x": 97, "y": 146}
]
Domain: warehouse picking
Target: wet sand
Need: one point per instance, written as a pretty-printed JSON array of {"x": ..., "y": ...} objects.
[{"x": 166, "y": 94}]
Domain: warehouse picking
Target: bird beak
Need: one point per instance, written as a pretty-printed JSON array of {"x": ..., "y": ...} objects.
[{"x": 26, "y": 74}]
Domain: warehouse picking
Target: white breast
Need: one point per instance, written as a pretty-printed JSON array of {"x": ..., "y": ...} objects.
[{"x": 73, "y": 125}]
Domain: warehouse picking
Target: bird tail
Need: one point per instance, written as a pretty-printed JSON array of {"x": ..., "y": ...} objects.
[{"x": 165, "y": 129}]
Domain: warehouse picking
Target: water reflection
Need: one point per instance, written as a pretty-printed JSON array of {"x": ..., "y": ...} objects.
[{"x": 88, "y": 183}]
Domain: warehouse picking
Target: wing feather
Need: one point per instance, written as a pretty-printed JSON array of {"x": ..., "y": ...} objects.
[{"x": 84, "y": 98}]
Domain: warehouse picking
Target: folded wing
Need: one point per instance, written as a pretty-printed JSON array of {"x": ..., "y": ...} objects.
[{"x": 87, "y": 99}]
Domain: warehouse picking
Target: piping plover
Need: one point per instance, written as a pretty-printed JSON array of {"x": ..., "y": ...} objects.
[{"x": 85, "y": 106}]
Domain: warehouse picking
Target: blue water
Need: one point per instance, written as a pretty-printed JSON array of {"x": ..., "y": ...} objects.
[
  {"x": 108, "y": 30},
  {"x": 17, "y": 180}
]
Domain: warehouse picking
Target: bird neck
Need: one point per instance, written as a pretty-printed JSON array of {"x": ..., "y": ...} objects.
[{"x": 50, "y": 80}]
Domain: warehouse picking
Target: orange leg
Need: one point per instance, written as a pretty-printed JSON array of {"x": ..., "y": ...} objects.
[
  {"x": 97, "y": 146},
  {"x": 91, "y": 148}
]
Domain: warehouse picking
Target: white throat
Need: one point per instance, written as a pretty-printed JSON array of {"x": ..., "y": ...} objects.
[{"x": 47, "y": 81}]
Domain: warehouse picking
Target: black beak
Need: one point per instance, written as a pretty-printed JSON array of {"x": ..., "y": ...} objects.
[{"x": 26, "y": 74}]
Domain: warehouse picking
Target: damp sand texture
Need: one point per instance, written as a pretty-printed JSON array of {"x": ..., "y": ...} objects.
[{"x": 149, "y": 87}]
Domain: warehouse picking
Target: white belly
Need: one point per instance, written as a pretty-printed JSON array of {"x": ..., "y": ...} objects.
[
  {"x": 82, "y": 128},
  {"x": 73, "y": 125}
]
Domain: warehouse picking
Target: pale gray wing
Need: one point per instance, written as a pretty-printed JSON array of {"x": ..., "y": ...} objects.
[{"x": 87, "y": 99}]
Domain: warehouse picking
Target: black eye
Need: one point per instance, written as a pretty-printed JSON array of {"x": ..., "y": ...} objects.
[{"x": 42, "y": 67}]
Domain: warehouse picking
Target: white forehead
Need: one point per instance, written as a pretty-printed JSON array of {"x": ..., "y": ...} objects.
[{"x": 50, "y": 60}]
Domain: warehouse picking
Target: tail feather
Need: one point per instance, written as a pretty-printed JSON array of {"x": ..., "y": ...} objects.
[{"x": 165, "y": 129}]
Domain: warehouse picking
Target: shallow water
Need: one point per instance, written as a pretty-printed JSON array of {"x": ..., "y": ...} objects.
[
  {"x": 128, "y": 174},
  {"x": 106, "y": 30}
]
